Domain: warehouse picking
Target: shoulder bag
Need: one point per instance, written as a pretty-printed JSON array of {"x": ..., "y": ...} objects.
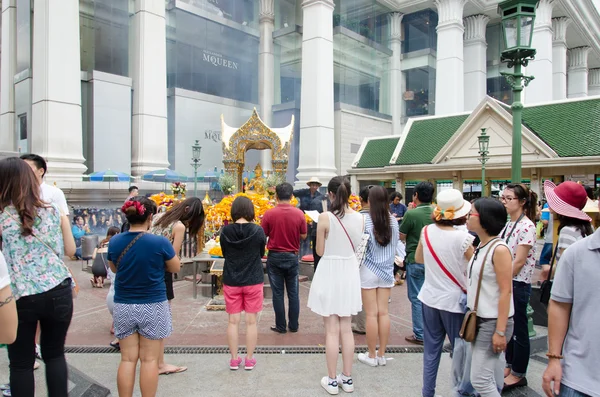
[
  {"x": 468, "y": 330},
  {"x": 546, "y": 287},
  {"x": 439, "y": 262},
  {"x": 361, "y": 250},
  {"x": 135, "y": 239}
]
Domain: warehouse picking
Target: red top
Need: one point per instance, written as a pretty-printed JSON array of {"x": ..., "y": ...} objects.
[{"x": 283, "y": 225}]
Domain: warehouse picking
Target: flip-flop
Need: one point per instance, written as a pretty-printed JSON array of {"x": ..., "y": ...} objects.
[
  {"x": 178, "y": 370},
  {"x": 6, "y": 393},
  {"x": 115, "y": 345},
  {"x": 5, "y": 386}
]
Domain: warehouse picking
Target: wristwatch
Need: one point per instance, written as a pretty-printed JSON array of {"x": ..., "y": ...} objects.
[{"x": 500, "y": 333}]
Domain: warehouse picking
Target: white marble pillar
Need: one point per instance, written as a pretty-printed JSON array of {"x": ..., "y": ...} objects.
[
  {"x": 395, "y": 89},
  {"x": 475, "y": 52},
  {"x": 594, "y": 82},
  {"x": 355, "y": 184},
  {"x": 577, "y": 81},
  {"x": 148, "y": 69},
  {"x": 8, "y": 133},
  {"x": 449, "y": 79},
  {"x": 400, "y": 186},
  {"x": 266, "y": 68},
  {"x": 56, "y": 92},
  {"x": 540, "y": 89},
  {"x": 559, "y": 57},
  {"x": 317, "y": 143}
]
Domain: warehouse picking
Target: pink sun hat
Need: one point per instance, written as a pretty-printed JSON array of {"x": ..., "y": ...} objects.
[{"x": 567, "y": 199}]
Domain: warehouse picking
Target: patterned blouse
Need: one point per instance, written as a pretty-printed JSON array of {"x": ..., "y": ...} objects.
[
  {"x": 33, "y": 267},
  {"x": 159, "y": 231},
  {"x": 523, "y": 234}
]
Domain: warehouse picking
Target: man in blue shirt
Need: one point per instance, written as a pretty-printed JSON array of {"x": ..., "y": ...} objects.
[{"x": 397, "y": 209}]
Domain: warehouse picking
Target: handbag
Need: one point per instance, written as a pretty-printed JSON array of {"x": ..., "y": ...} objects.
[
  {"x": 361, "y": 250},
  {"x": 439, "y": 262},
  {"x": 468, "y": 330},
  {"x": 546, "y": 287}
]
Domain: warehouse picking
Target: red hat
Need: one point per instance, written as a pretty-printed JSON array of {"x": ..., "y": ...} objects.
[{"x": 567, "y": 199}]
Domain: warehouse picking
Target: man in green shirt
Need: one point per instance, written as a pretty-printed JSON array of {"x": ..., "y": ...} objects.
[{"x": 410, "y": 232}]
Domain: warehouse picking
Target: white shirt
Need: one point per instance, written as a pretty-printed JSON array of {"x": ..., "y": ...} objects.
[{"x": 53, "y": 195}]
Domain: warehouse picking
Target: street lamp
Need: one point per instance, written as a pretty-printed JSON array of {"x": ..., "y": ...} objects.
[
  {"x": 196, "y": 149},
  {"x": 484, "y": 144},
  {"x": 518, "y": 17}
]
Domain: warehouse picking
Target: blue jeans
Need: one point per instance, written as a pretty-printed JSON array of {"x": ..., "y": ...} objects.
[
  {"x": 566, "y": 391},
  {"x": 546, "y": 255},
  {"x": 437, "y": 324},
  {"x": 415, "y": 279},
  {"x": 282, "y": 268},
  {"x": 517, "y": 351}
]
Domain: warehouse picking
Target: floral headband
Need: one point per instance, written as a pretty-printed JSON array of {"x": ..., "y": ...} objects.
[{"x": 141, "y": 210}]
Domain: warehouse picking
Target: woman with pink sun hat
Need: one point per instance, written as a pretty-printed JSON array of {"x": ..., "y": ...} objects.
[{"x": 567, "y": 201}]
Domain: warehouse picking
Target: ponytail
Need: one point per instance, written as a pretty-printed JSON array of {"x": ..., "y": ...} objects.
[
  {"x": 339, "y": 186},
  {"x": 528, "y": 197}
]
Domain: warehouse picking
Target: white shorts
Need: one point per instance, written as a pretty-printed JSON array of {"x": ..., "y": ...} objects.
[{"x": 369, "y": 280}]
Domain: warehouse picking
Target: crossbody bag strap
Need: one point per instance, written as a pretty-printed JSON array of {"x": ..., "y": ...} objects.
[
  {"x": 552, "y": 262},
  {"x": 513, "y": 228},
  {"x": 492, "y": 247},
  {"x": 345, "y": 231},
  {"x": 136, "y": 238},
  {"x": 439, "y": 262}
]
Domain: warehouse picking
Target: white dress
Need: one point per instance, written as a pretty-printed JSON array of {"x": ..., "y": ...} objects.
[{"x": 335, "y": 287}]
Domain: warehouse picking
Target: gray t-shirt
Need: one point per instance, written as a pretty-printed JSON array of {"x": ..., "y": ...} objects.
[{"x": 580, "y": 266}]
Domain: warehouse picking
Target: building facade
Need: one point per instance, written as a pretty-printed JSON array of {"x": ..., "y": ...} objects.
[{"x": 131, "y": 84}]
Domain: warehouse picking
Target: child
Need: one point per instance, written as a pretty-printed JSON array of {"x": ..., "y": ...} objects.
[
  {"x": 100, "y": 264},
  {"x": 243, "y": 245}
]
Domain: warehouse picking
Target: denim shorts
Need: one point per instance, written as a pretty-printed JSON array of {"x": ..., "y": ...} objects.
[{"x": 150, "y": 320}]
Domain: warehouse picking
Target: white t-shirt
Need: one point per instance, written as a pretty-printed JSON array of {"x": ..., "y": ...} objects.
[
  {"x": 524, "y": 234},
  {"x": 53, "y": 195},
  {"x": 4, "y": 277},
  {"x": 439, "y": 291}
]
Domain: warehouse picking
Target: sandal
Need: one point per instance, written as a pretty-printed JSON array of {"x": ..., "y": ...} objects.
[
  {"x": 178, "y": 370},
  {"x": 115, "y": 345}
]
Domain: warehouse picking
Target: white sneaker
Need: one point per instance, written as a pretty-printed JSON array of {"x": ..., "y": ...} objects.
[
  {"x": 346, "y": 382},
  {"x": 330, "y": 386},
  {"x": 365, "y": 359},
  {"x": 381, "y": 361}
]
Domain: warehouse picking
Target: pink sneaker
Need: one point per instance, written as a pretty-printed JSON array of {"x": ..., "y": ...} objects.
[
  {"x": 249, "y": 363},
  {"x": 234, "y": 363}
]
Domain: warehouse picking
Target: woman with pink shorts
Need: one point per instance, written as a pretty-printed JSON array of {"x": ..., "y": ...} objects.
[{"x": 243, "y": 244}]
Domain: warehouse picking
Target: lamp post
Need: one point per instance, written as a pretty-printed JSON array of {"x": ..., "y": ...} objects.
[
  {"x": 196, "y": 149},
  {"x": 484, "y": 144},
  {"x": 518, "y": 17}
]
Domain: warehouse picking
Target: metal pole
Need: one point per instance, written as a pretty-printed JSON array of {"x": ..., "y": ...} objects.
[
  {"x": 483, "y": 159},
  {"x": 517, "y": 109},
  {"x": 195, "y": 179}
]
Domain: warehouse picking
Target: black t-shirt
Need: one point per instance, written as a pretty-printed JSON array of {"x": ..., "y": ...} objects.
[{"x": 243, "y": 246}]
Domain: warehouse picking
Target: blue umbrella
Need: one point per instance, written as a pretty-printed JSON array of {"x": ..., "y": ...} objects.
[
  {"x": 109, "y": 176},
  {"x": 165, "y": 175}
]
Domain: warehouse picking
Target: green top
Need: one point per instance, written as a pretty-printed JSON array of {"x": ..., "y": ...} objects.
[{"x": 412, "y": 224}]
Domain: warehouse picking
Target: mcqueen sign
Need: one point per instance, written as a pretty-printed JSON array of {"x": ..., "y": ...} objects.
[{"x": 217, "y": 60}]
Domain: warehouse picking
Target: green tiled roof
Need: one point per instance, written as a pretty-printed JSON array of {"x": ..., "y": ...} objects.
[
  {"x": 427, "y": 137},
  {"x": 378, "y": 153},
  {"x": 571, "y": 129}
]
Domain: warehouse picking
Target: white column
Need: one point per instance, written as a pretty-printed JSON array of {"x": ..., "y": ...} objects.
[
  {"x": 540, "y": 89},
  {"x": 56, "y": 97},
  {"x": 317, "y": 143},
  {"x": 594, "y": 82},
  {"x": 475, "y": 52},
  {"x": 149, "y": 140},
  {"x": 577, "y": 81},
  {"x": 395, "y": 89},
  {"x": 355, "y": 184},
  {"x": 559, "y": 57},
  {"x": 266, "y": 67},
  {"x": 8, "y": 133},
  {"x": 449, "y": 79}
]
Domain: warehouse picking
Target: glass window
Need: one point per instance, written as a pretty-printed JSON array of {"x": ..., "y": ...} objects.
[
  {"x": 420, "y": 31},
  {"x": 240, "y": 11},
  {"x": 498, "y": 88},
  {"x": 420, "y": 92},
  {"x": 208, "y": 57},
  {"x": 104, "y": 32}
]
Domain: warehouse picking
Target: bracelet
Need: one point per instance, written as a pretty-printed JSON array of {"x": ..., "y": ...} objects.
[{"x": 557, "y": 356}]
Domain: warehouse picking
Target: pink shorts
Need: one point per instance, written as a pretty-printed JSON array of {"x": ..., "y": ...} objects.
[{"x": 248, "y": 298}]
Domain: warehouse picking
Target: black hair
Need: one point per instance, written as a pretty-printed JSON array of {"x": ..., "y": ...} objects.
[
  {"x": 527, "y": 196},
  {"x": 340, "y": 187},
  {"x": 284, "y": 191},
  {"x": 364, "y": 193},
  {"x": 394, "y": 195},
  {"x": 77, "y": 217},
  {"x": 589, "y": 191},
  {"x": 379, "y": 211},
  {"x": 190, "y": 212},
  {"x": 424, "y": 191},
  {"x": 450, "y": 222},
  {"x": 37, "y": 160},
  {"x": 242, "y": 207},
  {"x": 132, "y": 188},
  {"x": 132, "y": 214},
  {"x": 492, "y": 215},
  {"x": 584, "y": 227}
]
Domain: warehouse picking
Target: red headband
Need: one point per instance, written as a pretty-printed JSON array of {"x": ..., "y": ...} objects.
[{"x": 141, "y": 210}]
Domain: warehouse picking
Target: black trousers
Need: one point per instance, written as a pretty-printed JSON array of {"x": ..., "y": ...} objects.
[
  {"x": 316, "y": 257},
  {"x": 53, "y": 309}
]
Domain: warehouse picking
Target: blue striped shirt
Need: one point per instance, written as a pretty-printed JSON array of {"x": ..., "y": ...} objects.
[{"x": 379, "y": 259}]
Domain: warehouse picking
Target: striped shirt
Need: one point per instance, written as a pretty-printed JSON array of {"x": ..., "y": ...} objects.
[
  {"x": 567, "y": 236},
  {"x": 379, "y": 259}
]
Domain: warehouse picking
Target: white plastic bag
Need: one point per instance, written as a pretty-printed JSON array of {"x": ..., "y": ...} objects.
[{"x": 461, "y": 369}]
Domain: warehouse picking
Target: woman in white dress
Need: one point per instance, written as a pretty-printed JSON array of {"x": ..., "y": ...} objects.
[{"x": 335, "y": 289}]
